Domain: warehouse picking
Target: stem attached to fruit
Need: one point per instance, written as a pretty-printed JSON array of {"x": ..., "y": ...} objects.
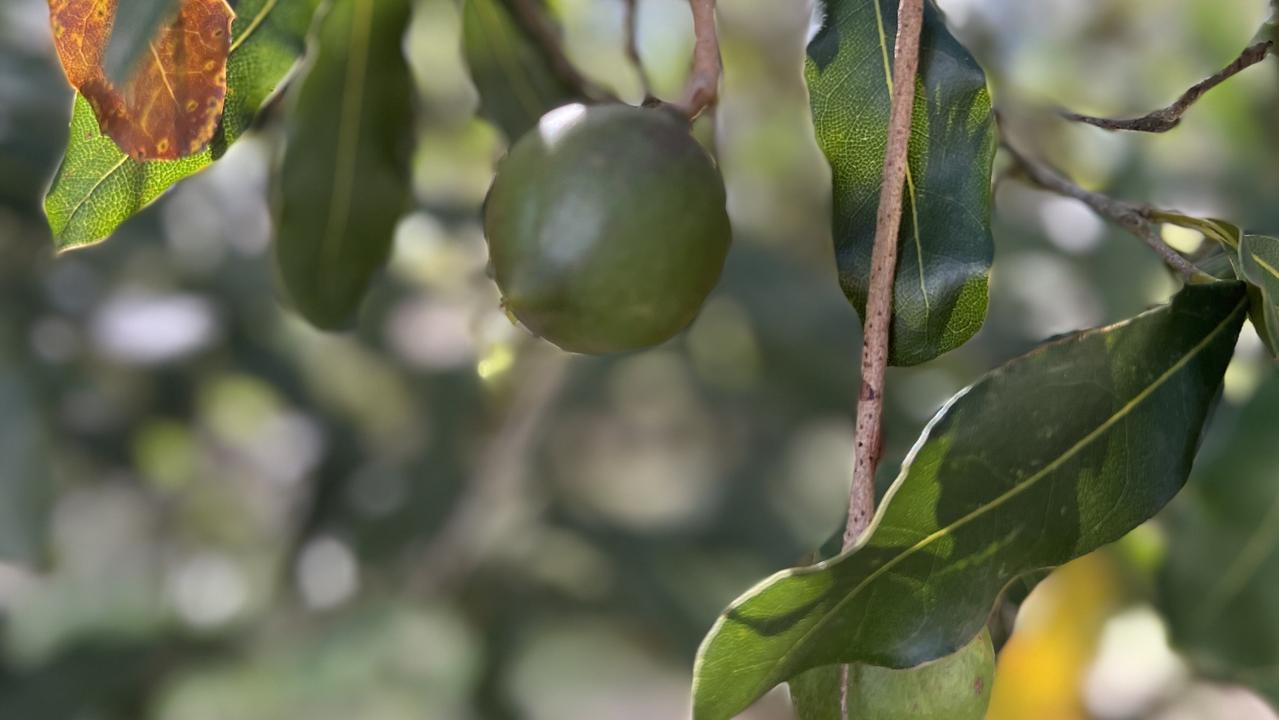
[
  {"x": 879, "y": 305},
  {"x": 702, "y": 90}
]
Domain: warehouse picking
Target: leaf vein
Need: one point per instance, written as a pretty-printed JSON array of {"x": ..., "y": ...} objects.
[{"x": 1008, "y": 495}]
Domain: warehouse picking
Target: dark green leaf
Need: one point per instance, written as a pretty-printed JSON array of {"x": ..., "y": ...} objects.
[
  {"x": 945, "y": 245},
  {"x": 98, "y": 187},
  {"x": 815, "y": 694},
  {"x": 515, "y": 80},
  {"x": 345, "y": 178},
  {"x": 1046, "y": 459},
  {"x": 269, "y": 36},
  {"x": 956, "y": 687},
  {"x": 1220, "y": 585},
  {"x": 1259, "y": 263},
  {"x": 136, "y": 23}
]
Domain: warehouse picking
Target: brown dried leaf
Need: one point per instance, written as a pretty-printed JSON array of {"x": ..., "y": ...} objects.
[{"x": 171, "y": 106}]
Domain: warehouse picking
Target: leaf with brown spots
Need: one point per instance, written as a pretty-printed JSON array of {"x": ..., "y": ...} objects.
[{"x": 171, "y": 106}]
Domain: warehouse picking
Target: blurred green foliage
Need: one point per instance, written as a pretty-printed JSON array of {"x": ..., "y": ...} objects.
[{"x": 210, "y": 510}]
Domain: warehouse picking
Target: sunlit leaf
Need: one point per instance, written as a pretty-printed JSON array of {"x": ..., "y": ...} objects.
[
  {"x": 173, "y": 100},
  {"x": 513, "y": 76},
  {"x": 956, "y": 687},
  {"x": 945, "y": 244},
  {"x": 1220, "y": 585},
  {"x": 98, "y": 187},
  {"x": 345, "y": 178},
  {"x": 1046, "y": 459}
]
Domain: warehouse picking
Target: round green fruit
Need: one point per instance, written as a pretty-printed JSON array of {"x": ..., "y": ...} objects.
[
  {"x": 956, "y": 687},
  {"x": 607, "y": 227}
]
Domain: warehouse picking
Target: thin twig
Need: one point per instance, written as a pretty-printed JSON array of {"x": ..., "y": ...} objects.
[
  {"x": 1168, "y": 118},
  {"x": 632, "y": 47},
  {"x": 531, "y": 17},
  {"x": 702, "y": 90},
  {"x": 879, "y": 305},
  {"x": 485, "y": 513},
  {"x": 1134, "y": 218}
]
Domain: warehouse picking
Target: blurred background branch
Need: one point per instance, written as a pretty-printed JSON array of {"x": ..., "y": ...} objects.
[{"x": 1130, "y": 217}]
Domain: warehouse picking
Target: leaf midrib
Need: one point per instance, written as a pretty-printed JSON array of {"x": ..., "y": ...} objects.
[
  {"x": 531, "y": 104},
  {"x": 1266, "y": 266},
  {"x": 1005, "y": 497},
  {"x": 911, "y": 193},
  {"x": 253, "y": 25},
  {"x": 80, "y": 204},
  {"x": 348, "y": 132}
]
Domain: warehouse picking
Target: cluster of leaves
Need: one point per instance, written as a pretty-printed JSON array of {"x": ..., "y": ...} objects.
[
  {"x": 1046, "y": 459},
  {"x": 1251, "y": 258}
]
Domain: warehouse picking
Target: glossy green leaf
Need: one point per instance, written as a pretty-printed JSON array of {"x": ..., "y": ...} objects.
[
  {"x": 1046, "y": 459},
  {"x": 945, "y": 245},
  {"x": 1220, "y": 584},
  {"x": 956, "y": 687},
  {"x": 98, "y": 187},
  {"x": 345, "y": 177},
  {"x": 1259, "y": 264},
  {"x": 513, "y": 76},
  {"x": 136, "y": 23}
]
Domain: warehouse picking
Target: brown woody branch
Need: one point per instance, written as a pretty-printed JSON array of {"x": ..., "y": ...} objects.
[
  {"x": 1134, "y": 218},
  {"x": 879, "y": 305},
  {"x": 702, "y": 90},
  {"x": 1165, "y": 119}
]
